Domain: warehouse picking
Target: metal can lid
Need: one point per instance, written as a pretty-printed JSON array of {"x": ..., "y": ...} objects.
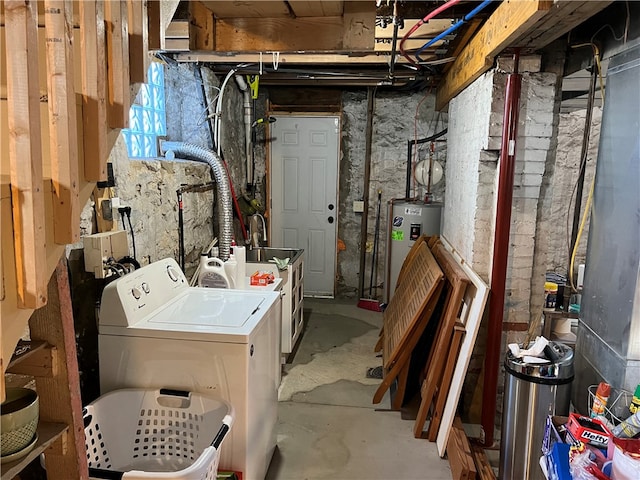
[{"x": 555, "y": 372}]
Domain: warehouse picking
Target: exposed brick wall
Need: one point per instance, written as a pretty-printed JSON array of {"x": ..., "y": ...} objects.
[{"x": 474, "y": 139}]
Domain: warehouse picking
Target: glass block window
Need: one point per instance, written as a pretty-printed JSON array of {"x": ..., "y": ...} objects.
[{"x": 147, "y": 116}]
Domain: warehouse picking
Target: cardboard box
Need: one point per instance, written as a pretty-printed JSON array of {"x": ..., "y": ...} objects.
[
  {"x": 589, "y": 431},
  {"x": 262, "y": 278}
]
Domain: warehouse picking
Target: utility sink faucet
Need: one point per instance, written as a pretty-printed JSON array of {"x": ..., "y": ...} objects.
[{"x": 255, "y": 232}]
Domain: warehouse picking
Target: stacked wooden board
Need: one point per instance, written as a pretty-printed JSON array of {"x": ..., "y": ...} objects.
[{"x": 435, "y": 288}]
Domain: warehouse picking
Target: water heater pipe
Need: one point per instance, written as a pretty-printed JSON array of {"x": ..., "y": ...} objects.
[
  {"x": 501, "y": 249},
  {"x": 371, "y": 94},
  {"x": 248, "y": 118}
]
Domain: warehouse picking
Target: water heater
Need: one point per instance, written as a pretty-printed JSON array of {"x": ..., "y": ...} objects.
[{"x": 407, "y": 221}]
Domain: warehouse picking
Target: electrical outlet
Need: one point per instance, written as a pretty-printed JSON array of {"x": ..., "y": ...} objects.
[
  {"x": 358, "y": 206},
  {"x": 107, "y": 214}
]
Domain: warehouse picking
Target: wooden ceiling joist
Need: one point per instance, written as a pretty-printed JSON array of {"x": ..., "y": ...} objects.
[
  {"x": 563, "y": 16},
  {"x": 63, "y": 127},
  {"x": 94, "y": 90},
  {"x": 25, "y": 153},
  {"x": 280, "y": 34},
  {"x": 201, "y": 29},
  {"x": 508, "y": 23},
  {"x": 269, "y": 58}
]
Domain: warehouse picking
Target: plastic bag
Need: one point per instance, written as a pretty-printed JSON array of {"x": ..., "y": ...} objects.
[
  {"x": 583, "y": 467},
  {"x": 626, "y": 459}
]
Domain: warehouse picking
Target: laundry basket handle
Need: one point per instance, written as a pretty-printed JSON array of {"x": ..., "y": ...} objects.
[
  {"x": 105, "y": 474},
  {"x": 222, "y": 432},
  {"x": 169, "y": 397}
]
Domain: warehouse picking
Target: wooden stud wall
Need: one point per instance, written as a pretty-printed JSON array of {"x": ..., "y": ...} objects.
[
  {"x": 115, "y": 14},
  {"x": 94, "y": 90},
  {"x": 25, "y": 152},
  {"x": 63, "y": 131},
  {"x": 53, "y": 153}
]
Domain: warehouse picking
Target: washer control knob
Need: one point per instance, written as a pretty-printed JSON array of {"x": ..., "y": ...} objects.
[
  {"x": 135, "y": 291},
  {"x": 173, "y": 275},
  {"x": 145, "y": 287}
]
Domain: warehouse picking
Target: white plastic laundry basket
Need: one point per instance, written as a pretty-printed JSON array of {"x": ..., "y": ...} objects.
[{"x": 137, "y": 434}]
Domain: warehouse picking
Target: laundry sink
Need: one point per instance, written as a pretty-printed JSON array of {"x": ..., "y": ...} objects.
[
  {"x": 264, "y": 254},
  {"x": 292, "y": 286}
]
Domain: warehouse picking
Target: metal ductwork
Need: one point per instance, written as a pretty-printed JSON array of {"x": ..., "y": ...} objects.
[{"x": 200, "y": 154}]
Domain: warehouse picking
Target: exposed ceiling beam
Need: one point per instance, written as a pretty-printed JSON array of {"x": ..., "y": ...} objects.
[
  {"x": 508, "y": 23},
  {"x": 303, "y": 57},
  {"x": 563, "y": 16}
]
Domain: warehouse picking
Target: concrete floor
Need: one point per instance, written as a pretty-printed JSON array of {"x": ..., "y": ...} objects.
[{"x": 328, "y": 427}]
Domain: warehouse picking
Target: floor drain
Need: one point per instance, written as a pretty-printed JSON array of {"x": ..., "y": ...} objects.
[{"x": 374, "y": 372}]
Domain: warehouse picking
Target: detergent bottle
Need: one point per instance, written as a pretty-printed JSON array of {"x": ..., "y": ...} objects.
[{"x": 212, "y": 273}]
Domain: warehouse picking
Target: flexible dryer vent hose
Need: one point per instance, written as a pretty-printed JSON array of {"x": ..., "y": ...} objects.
[{"x": 200, "y": 154}]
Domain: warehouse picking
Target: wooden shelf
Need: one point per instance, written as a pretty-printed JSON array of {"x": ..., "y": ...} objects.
[
  {"x": 550, "y": 316},
  {"x": 47, "y": 434}
]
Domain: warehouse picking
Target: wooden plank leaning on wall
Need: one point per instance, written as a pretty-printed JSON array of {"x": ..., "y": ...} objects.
[{"x": 25, "y": 153}]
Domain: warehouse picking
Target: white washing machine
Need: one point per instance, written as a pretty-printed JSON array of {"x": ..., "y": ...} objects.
[{"x": 157, "y": 332}]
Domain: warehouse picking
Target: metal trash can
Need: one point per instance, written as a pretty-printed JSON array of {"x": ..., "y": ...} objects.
[{"x": 531, "y": 393}]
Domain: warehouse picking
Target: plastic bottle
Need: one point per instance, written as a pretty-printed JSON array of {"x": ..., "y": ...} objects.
[
  {"x": 634, "y": 406},
  {"x": 240, "y": 253},
  {"x": 212, "y": 273},
  {"x": 629, "y": 428},
  {"x": 600, "y": 399},
  {"x": 231, "y": 269}
]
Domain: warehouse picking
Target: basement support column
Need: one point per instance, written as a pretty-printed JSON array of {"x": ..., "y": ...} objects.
[{"x": 501, "y": 248}]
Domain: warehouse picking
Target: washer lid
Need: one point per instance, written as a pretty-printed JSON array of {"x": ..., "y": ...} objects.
[
  {"x": 210, "y": 307},
  {"x": 206, "y": 314}
]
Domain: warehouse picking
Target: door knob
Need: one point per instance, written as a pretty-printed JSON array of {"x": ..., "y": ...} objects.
[
  {"x": 330, "y": 219},
  {"x": 331, "y": 207}
]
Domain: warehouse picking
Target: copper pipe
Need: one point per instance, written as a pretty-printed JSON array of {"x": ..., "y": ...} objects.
[{"x": 501, "y": 249}]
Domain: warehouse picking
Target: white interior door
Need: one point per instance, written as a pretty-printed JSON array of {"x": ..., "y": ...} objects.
[{"x": 304, "y": 199}]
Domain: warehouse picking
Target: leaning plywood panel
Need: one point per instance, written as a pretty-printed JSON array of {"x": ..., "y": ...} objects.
[
  {"x": 475, "y": 300},
  {"x": 25, "y": 153},
  {"x": 94, "y": 90},
  {"x": 63, "y": 129}
]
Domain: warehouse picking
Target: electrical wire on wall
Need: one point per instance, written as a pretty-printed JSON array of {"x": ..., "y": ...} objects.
[
  {"x": 587, "y": 208},
  {"x": 415, "y": 140}
]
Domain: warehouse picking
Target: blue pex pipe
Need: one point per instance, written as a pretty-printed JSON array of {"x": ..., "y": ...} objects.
[{"x": 452, "y": 28}]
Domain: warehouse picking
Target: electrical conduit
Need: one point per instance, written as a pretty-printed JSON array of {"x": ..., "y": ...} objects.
[
  {"x": 200, "y": 154},
  {"x": 501, "y": 249}
]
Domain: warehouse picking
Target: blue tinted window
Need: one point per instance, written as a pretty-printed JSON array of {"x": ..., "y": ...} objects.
[{"x": 147, "y": 116}]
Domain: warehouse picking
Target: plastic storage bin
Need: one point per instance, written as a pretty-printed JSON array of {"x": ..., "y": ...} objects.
[{"x": 137, "y": 434}]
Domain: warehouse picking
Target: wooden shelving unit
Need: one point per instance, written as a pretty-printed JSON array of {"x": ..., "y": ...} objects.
[
  {"x": 551, "y": 316},
  {"x": 48, "y": 434},
  {"x": 51, "y": 359}
]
